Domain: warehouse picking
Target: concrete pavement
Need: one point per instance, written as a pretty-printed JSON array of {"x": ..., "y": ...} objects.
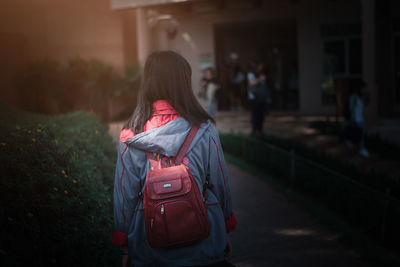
[{"x": 273, "y": 231}]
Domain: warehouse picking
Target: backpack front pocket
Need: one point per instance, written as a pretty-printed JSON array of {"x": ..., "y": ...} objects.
[
  {"x": 176, "y": 223},
  {"x": 187, "y": 227},
  {"x": 168, "y": 183},
  {"x": 158, "y": 227}
]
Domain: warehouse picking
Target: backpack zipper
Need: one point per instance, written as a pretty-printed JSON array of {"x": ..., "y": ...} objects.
[{"x": 152, "y": 219}]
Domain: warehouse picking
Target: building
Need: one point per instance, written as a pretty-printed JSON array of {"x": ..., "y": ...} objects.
[{"x": 315, "y": 50}]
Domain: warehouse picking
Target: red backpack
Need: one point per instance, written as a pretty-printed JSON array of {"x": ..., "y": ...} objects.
[{"x": 175, "y": 212}]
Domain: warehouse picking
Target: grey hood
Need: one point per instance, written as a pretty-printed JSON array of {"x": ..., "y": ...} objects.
[{"x": 167, "y": 139}]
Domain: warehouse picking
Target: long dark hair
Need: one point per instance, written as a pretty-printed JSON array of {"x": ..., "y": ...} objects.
[{"x": 166, "y": 76}]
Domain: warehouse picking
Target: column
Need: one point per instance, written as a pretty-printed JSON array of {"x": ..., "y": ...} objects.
[
  {"x": 143, "y": 35},
  {"x": 369, "y": 60}
]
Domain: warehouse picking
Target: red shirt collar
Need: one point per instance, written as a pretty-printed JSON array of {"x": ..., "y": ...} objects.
[
  {"x": 163, "y": 107},
  {"x": 160, "y": 109}
]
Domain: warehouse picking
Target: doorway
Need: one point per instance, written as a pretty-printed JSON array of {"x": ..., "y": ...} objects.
[{"x": 273, "y": 43}]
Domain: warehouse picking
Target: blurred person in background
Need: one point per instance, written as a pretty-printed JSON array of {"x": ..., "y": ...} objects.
[
  {"x": 237, "y": 87},
  {"x": 258, "y": 95},
  {"x": 209, "y": 87},
  {"x": 355, "y": 129}
]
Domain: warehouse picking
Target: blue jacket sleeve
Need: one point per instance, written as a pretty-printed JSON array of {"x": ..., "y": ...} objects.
[
  {"x": 127, "y": 186},
  {"x": 219, "y": 179}
]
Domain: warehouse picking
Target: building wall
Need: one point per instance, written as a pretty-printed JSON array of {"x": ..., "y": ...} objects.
[
  {"x": 387, "y": 29},
  {"x": 196, "y": 35},
  {"x": 58, "y": 30}
]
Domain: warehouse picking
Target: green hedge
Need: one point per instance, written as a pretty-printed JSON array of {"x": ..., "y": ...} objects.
[
  {"x": 360, "y": 200},
  {"x": 373, "y": 179},
  {"x": 56, "y": 180}
]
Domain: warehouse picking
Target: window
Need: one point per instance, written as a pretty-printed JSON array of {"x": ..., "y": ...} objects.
[
  {"x": 335, "y": 57},
  {"x": 355, "y": 56},
  {"x": 342, "y": 59}
]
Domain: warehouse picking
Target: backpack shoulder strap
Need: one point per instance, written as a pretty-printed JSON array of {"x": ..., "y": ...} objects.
[
  {"x": 155, "y": 164},
  {"x": 186, "y": 144}
]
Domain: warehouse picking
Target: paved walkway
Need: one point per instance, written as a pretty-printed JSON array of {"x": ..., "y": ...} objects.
[{"x": 273, "y": 231}]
